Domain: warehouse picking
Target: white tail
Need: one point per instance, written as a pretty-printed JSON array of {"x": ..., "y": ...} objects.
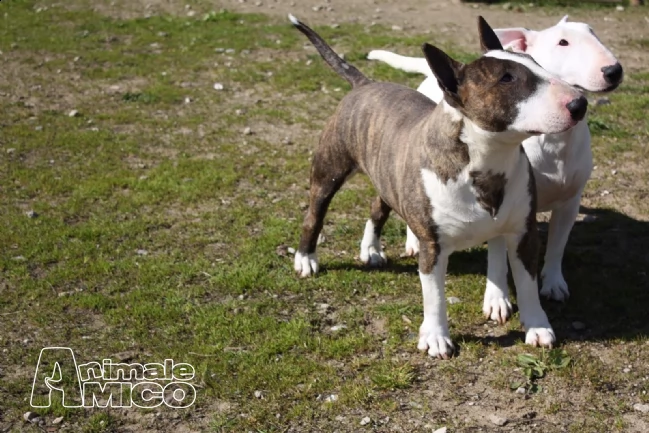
[{"x": 417, "y": 65}]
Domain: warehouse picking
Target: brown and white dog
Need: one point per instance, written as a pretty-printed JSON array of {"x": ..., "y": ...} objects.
[{"x": 455, "y": 172}]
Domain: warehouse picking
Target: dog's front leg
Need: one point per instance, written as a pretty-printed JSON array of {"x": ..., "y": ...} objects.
[
  {"x": 496, "y": 304},
  {"x": 563, "y": 218},
  {"x": 434, "y": 334},
  {"x": 523, "y": 258}
]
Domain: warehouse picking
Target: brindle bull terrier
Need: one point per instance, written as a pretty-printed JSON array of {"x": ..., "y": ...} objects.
[{"x": 455, "y": 172}]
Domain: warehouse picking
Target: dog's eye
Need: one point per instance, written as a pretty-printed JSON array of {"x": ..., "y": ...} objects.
[
  {"x": 563, "y": 43},
  {"x": 507, "y": 78}
]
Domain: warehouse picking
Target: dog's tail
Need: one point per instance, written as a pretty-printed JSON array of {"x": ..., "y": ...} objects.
[
  {"x": 342, "y": 68},
  {"x": 416, "y": 65}
]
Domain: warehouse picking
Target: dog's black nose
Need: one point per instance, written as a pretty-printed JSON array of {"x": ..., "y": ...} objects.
[
  {"x": 577, "y": 108},
  {"x": 613, "y": 73}
]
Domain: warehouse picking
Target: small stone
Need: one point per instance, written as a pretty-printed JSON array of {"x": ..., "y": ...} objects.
[
  {"x": 336, "y": 328},
  {"x": 247, "y": 131},
  {"x": 142, "y": 252},
  {"x": 507, "y": 6},
  {"x": 644, "y": 408},
  {"x": 19, "y": 259},
  {"x": 291, "y": 250},
  {"x": 218, "y": 86},
  {"x": 453, "y": 300},
  {"x": 31, "y": 214},
  {"x": 578, "y": 326},
  {"x": 366, "y": 420},
  {"x": 613, "y": 172},
  {"x": 258, "y": 4},
  {"x": 58, "y": 420},
  {"x": 406, "y": 319},
  {"x": 627, "y": 370},
  {"x": 73, "y": 113},
  {"x": 316, "y": 8},
  {"x": 259, "y": 394},
  {"x": 440, "y": 430},
  {"x": 11, "y": 150},
  {"x": 497, "y": 420},
  {"x": 397, "y": 28},
  {"x": 191, "y": 13},
  {"x": 39, "y": 128},
  {"x": 603, "y": 101},
  {"x": 188, "y": 100},
  {"x": 619, "y": 8},
  {"x": 521, "y": 390},
  {"x": 287, "y": 141},
  {"x": 240, "y": 111},
  {"x": 331, "y": 398},
  {"x": 230, "y": 51},
  {"x": 323, "y": 308},
  {"x": 604, "y": 193},
  {"x": 335, "y": 26}
]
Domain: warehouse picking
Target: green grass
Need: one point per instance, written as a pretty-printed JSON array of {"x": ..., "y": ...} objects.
[{"x": 158, "y": 224}]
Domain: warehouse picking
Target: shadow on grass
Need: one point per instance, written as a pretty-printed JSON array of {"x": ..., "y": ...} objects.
[{"x": 605, "y": 264}]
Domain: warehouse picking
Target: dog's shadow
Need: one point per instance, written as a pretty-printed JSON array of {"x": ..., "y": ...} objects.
[{"x": 606, "y": 266}]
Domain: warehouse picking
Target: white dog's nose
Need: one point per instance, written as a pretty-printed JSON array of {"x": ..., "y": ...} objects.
[
  {"x": 577, "y": 108},
  {"x": 613, "y": 73}
]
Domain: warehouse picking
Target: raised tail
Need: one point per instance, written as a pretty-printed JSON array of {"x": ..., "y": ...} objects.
[
  {"x": 342, "y": 68},
  {"x": 417, "y": 65}
]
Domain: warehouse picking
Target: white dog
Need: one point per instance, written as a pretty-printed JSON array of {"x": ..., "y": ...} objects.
[{"x": 562, "y": 162}]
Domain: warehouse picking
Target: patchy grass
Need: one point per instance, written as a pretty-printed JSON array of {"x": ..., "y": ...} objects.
[{"x": 158, "y": 226}]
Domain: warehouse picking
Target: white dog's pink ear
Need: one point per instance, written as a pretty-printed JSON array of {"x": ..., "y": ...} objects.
[
  {"x": 516, "y": 39},
  {"x": 563, "y": 20}
]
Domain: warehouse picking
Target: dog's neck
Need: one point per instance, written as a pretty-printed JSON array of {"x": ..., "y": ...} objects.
[{"x": 498, "y": 152}]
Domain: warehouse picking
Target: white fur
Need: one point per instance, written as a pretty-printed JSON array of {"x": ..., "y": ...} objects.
[
  {"x": 371, "y": 250},
  {"x": 562, "y": 162},
  {"x": 434, "y": 335},
  {"x": 306, "y": 265}
]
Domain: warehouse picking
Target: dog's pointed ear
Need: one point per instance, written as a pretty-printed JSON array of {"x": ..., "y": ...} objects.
[
  {"x": 563, "y": 20},
  {"x": 515, "y": 39},
  {"x": 488, "y": 39},
  {"x": 445, "y": 69}
]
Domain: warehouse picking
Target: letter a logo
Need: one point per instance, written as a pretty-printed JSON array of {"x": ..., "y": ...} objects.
[{"x": 56, "y": 371}]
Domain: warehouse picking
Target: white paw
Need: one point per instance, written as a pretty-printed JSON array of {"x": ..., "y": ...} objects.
[
  {"x": 371, "y": 250},
  {"x": 412, "y": 244},
  {"x": 306, "y": 265},
  {"x": 541, "y": 336},
  {"x": 436, "y": 340},
  {"x": 554, "y": 286},
  {"x": 497, "y": 306},
  {"x": 370, "y": 256}
]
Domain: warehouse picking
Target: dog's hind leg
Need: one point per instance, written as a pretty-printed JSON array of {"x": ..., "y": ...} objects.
[
  {"x": 328, "y": 173},
  {"x": 371, "y": 251},
  {"x": 412, "y": 243}
]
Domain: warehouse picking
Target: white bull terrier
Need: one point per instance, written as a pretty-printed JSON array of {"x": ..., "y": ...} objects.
[{"x": 562, "y": 162}]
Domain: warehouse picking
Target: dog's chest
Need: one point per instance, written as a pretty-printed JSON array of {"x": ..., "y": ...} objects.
[
  {"x": 471, "y": 209},
  {"x": 562, "y": 165}
]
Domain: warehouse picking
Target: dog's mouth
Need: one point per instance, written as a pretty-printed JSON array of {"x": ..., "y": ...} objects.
[
  {"x": 605, "y": 90},
  {"x": 533, "y": 132}
]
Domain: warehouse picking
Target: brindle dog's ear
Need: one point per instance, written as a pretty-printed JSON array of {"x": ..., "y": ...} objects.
[
  {"x": 488, "y": 39},
  {"x": 446, "y": 70}
]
